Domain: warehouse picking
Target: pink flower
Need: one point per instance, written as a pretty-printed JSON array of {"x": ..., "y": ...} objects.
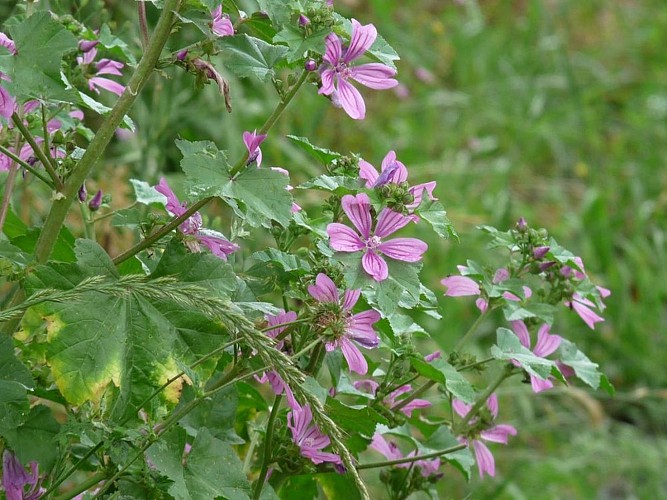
[
  {"x": 394, "y": 172},
  {"x": 391, "y": 452},
  {"x": 308, "y": 437},
  {"x": 582, "y": 306},
  {"x": 460, "y": 286},
  {"x": 497, "y": 434},
  {"x": 102, "y": 67},
  {"x": 336, "y": 70},
  {"x": 212, "y": 240},
  {"x": 353, "y": 327},
  {"x": 15, "y": 478},
  {"x": 220, "y": 24},
  {"x": 252, "y": 140},
  {"x": 344, "y": 239},
  {"x": 391, "y": 401},
  {"x": 277, "y": 383},
  {"x": 546, "y": 344}
]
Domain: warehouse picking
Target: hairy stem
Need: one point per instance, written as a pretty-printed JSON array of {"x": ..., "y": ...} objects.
[
  {"x": 46, "y": 160},
  {"x": 27, "y": 166},
  {"x": 417, "y": 392},
  {"x": 406, "y": 460}
]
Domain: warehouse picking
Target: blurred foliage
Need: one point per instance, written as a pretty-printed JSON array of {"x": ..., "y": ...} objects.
[{"x": 555, "y": 110}]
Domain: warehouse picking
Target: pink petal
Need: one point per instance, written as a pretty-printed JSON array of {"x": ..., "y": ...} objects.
[
  {"x": 173, "y": 205},
  {"x": 389, "y": 222},
  {"x": 360, "y": 328},
  {"x": 327, "y": 76},
  {"x": 350, "y": 299},
  {"x": 351, "y": 100},
  {"x": 499, "y": 433},
  {"x": 540, "y": 385},
  {"x": 375, "y": 265},
  {"x": 368, "y": 173},
  {"x": 604, "y": 292},
  {"x": 584, "y": 312},
  {"x": 405, "y": 249},
  {"x": 358, "y": 210},
  {"x": 521, "y": 331},
  {"x": 360, "y": 41},
  {"x": 546, "y": 343},
  {"x": 106, "y": 84},
  {"x": 387, "y": 448},
  {"x": 417, "y": 192},
  {"x": 324, "y": 289},
  {"x": 374, "y": 76},
  {"x": 482, "y": 305},
  {"x": 355, "y": 360},
  {"x": 492, "y": 405},
  {"x": 484, "y": 458},
  {"x": 343, "y": 238},
  {"x": 461, "y": 408},
  {"x": 109, "y": 67},
  {"x": 333, "y": 49},
  {"x": 459, "y": 286},
  {"x": 218, "y": 246},
  {"x": 401, "y": 173},
  {"x": 415, "y": 404}
]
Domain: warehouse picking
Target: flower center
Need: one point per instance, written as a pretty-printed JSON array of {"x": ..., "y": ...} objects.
[{"x": 373, "y": 242}]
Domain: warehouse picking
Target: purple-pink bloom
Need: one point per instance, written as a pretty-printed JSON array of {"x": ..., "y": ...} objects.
[
  {"x": 252, "y": 140},
  {"x": 497, "y": 434},
  {"x": 220, "y": 247},
  {"x": 391, "y": 400},
  {"x": 395, "y": 172},
  {"x": 336, "y": 70},
  {"x": 582, "y": 306},
  {"x": 7, "y": 101},
  {"x": 546, "y": 344},
  {"x": 221, "y": 24},
  {"x": 344, "y": 239},
  {"x": 460, "y": 286},
  {"x": 356, "y": 328},
  {"x": 102, "y": 67},
  {"x": 308, "y": 437},
  {"x": 391, "y": 451},
  {"x": 278, "y": 385},
  {"x": 15, "y": 478}
]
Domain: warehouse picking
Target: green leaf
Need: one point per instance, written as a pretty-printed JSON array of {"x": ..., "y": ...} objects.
[
  {"x": 213, "y": 469},
  {"x": 260, "y": 25},
  {"x": 167, "y": 457},
  {"x": 301, "y": 487},
  {"x": 442, "y": 372},
  {"x": 34, "y": 439},
  {"x": 442, "y": 439},
  {"x": 338, "y": 486},
  {"x": 131, "y": 341},
  {"x": 323, "y": 155},
  {"x": 261, "y": 191},
  {"x": 584, "y": 368},
  {"x": 509, "y": 347},
  {"x": 338, "y": 184},
  {"x": 300, "y": 45},
  {"x": 246, "y": 56},
  {"x": 147, "y": 194},
  {"x": 354, "y": 420},
  {"x": 279, "y": 11},
  {"x": 286, "y": 261},
  {"x": 217, "y": 414},
  {"x": 35, "y": 69},
  {"x": 12, "y": 258},
  {"x": 88, "y": 102},
  {"x": 434, "y": 213},
  {"x": 516, "y": 311}
]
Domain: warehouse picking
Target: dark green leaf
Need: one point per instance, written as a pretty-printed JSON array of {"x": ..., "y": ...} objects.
[
  {"x": 300, "y": 45},
  {"x": 246, "y": 56},
  {"x": 443, "y": 439},
  {"x": 34, "y": 439},
  {"x": 323, "y": 155}
]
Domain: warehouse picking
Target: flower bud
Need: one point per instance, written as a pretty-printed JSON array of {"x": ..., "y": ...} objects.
[
  {"x": 522, "y": 225},
  {"x": 87, "y": 45},
  {"x": 96, "y": 202},
  {"x": 83, "y": 193},
  {"x": 540, "y": 252},
  {"x": 303, "y": 21},
  {"x": 182, "y": 55},
  {"x": 546, "y": 265},
  {"x": 310, "y": 65}
]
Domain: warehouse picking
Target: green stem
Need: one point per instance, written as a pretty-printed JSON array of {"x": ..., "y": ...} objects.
[
  {"x": 85, "y": 485},
  {"x": 313, "y": 366},
  {"x": 88, "y": 225},
  {"x": 9, "y": 187},
  {"x": 46, "y": 160},
  {"x": 46, "y": 146},
  {"x": 98, "y": 145},
  {"x": 474, "y": 365},
  {"x": 27, "y": 166},
  {"x": 507, "y": 371},
  {"x": 240, "y": 165},
  {"x": 267, "y": 447},
  {"x": 418, "y": 392},
  {"x": 72, "y": 469},
  {"x": 470, "y": 331},
  {"x": 406, "y": 460}
]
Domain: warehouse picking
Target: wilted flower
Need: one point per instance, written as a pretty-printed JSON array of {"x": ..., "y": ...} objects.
[
  {"x": 218, "y": 245},
  {"x": 345, "y": 329},
  {"x": 308, "y": 437},
  {"x": 497, "y": 434},
  {"x": 336, "y": 70},
  {"x": 358, "y": 210}
]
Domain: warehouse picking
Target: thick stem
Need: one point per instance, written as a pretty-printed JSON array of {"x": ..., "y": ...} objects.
[
  {"x": 143, "y": 25},
  {"x": 98, "y": 145},
  {"x": 46, "y": 160},
  {"x": 267, "y": 447}
]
